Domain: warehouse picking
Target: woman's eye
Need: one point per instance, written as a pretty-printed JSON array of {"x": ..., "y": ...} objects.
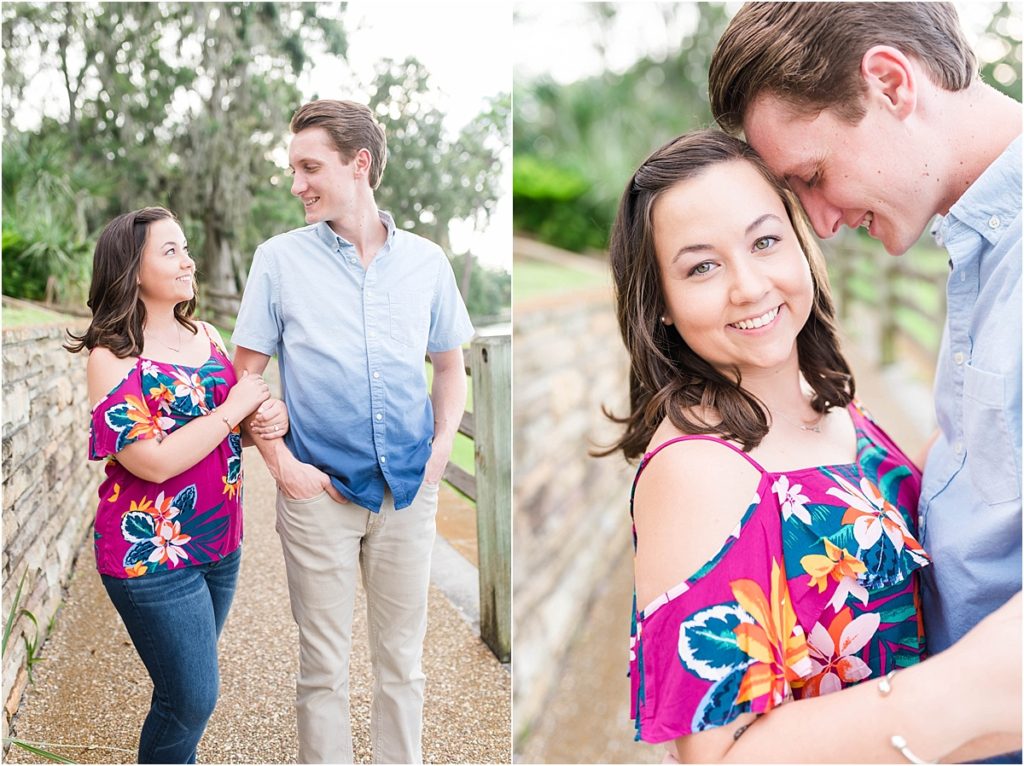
[
  {"x": 701, "y": 268},
  {"x": 764, "y": 243}
]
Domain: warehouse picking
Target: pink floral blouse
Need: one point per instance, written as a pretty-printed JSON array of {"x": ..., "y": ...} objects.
[
  {"x": 815, "y": 590},
  {"x": 194, "y": 518}
]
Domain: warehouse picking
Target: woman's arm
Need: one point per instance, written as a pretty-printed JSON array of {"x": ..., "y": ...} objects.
[
  {"x": 159, "y": 460},
  {"x": 965, "y": 700}
]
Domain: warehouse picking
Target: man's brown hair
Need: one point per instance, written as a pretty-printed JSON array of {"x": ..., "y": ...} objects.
[
  {"x": 351, "y": 127},
  {"x": 809, "y": 54}
]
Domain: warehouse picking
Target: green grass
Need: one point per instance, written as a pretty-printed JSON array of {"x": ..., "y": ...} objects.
[
  {"x": 22, "y": 316},
  {"x": 533, "y": 278}
]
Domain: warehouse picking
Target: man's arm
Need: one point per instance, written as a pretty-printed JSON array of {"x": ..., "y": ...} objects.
[
  {"x": 448, "y": 396},
  {"x": 296, "y": 479}
]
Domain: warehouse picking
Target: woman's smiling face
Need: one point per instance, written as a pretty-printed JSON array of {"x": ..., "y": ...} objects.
[{"x": 736, "y": 282}]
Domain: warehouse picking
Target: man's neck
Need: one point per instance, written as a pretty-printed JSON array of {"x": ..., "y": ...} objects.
[
  {"x": 983, "y": 123},
  {"x": 364, "y": 229}
]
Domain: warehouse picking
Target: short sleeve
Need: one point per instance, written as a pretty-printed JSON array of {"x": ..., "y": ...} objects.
[
  {"x": 450, "y": 325},
  {"x": 725, "y": 645},
  {"x": 259, "y": 326},
  {"x": 124, "y": 417}
]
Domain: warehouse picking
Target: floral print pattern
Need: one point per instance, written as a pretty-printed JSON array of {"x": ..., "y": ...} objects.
[
  {"x": 815, "y": 592},
  {"x": 194, "y": 518}
]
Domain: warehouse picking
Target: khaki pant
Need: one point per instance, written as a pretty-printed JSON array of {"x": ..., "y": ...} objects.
[{"x": 325, "y": 544}]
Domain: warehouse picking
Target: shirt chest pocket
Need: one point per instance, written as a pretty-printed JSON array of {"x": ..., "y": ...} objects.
[
  {"x": 990, "y": 450},
  {"x": 409, "y": 317}
]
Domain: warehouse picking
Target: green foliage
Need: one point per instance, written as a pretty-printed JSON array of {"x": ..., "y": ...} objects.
[
  {"x": 576, "y": 145},
  {"x": 1004, "y": 35},
  {"x": 489, "y": 293},
  {"x": 432, "y": 177},
  {"x": 33, "y": 748},
  {"x": 12, "y": 616},
  {"x": 46, "y": 247}
]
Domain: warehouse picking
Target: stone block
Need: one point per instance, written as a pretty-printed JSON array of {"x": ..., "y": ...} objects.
[{"x": 16, "y": 690}]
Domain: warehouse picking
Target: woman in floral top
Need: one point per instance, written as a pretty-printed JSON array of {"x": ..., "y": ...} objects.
[
  {"x": 166, "y": 410},
  {"x": 775, "y": 524}
]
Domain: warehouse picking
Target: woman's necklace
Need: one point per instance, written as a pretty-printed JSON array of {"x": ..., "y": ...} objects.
[
  {"x": 165, "y": 343},
  {"x": 814, "y": 425}
]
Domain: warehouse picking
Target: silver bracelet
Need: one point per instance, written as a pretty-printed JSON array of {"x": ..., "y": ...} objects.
[{"x": 897, "y": 741}]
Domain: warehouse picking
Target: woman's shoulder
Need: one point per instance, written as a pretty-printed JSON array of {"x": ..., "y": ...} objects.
[
  {"x": 213, "y": 334},
  {"x": 686, "y": 474},
  {"x": 105, "y": 371},
  {"x": 691, "y": 495}
]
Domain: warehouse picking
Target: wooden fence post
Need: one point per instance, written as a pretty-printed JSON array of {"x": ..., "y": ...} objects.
[{"x": 491, "y": 364}]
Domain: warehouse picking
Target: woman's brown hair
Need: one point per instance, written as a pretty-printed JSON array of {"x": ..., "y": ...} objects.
[
  {"x": 666, "y": 378},
  {"x": 118, "y": 313}
]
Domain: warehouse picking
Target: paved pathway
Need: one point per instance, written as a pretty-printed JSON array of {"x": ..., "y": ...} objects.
[{"x": 92, "y": 689}]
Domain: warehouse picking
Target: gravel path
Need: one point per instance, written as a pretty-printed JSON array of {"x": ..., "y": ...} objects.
[{"x": 92, "y": 691}]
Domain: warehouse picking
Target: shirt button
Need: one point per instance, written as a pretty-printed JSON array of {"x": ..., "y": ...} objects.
[
  {"x": 352, "y": 261},
  {"x": 372, "y": 335},
  {"x": 958, "y": 447},
  {"x": 958, "y": 357},
  {"x": 379, "y": 416},
  {"x": 383, "y": 458},
  {"x": 376, "y": 375},
  {"x": 993, "y": 222},
  {"x": 963, "y": 276}
]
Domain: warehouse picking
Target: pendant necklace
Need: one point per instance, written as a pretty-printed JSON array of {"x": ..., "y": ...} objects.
[
  {"x": 815, "y": 426},
  {"x": 165, "y": 343}
]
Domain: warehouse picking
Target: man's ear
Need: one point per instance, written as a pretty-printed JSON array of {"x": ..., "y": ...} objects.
[
  {"x": 362, "y": 162},
  {"x": 891, "y": 79}
]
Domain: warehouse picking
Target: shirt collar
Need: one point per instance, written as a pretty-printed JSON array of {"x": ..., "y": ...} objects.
[
  {"x": 328, "y": 236},
  {"x": 991, "y": 203}
]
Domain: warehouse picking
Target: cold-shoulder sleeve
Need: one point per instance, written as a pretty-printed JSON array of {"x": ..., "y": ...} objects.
[
  {"x": 125, "y": 416},
  {"x": 723, "y": 643}
]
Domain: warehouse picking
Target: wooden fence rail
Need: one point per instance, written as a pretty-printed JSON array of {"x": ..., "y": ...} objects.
[{"x": 908, "y": 299}]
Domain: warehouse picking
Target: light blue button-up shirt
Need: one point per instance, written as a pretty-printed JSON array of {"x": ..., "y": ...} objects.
[
  {"x": 970, "y": 497},
  {"x": 351, "y": 344}
]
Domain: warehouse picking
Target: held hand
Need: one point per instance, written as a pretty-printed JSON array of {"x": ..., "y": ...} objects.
[
  {"x": 249, "y": 392},
  {"x": 270, "y": 420},
  {"x": 301, "y": 481}
]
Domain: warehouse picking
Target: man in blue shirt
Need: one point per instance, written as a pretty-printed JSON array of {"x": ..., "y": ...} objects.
[
  {"x": 876, "y": 116},
  {"x": 351, "y": 305}
]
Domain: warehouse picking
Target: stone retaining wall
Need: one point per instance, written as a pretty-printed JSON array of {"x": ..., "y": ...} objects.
[
  {"x": 49, "y": 487},
  {"x": 571, "y": 510}
]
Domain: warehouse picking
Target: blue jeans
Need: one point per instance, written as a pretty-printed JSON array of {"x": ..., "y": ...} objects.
[{"x": 174, "y": 619}]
